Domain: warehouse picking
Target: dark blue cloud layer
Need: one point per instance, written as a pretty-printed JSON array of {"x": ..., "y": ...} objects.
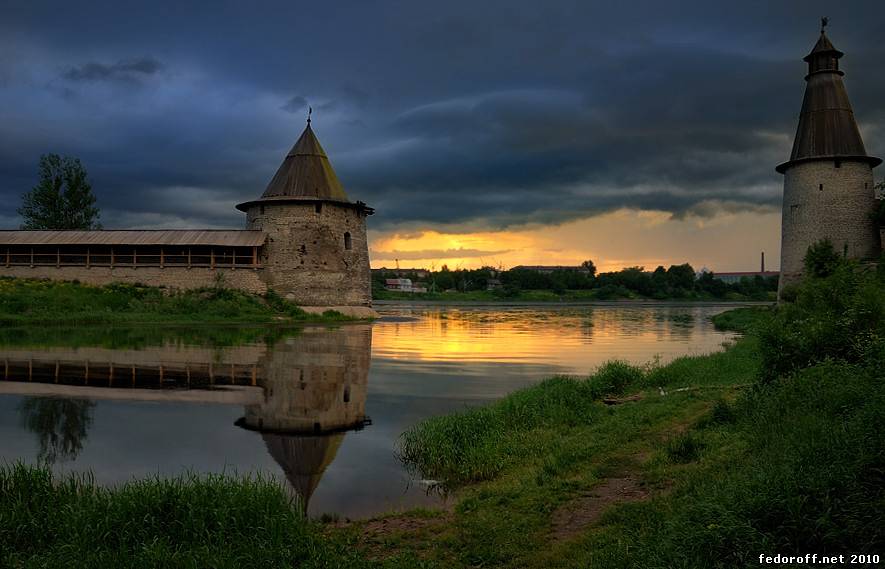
[{"x": 485, "y": 116}]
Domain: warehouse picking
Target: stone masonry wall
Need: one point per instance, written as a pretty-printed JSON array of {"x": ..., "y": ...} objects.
[
  {"x": 305, "y": 257},
  {"x": 822, "y": 201},
  {"x": 249, "y": 280}
]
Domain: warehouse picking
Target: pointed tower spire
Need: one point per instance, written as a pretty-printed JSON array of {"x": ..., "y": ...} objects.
[
  {"x": 827, "y": 128},
  {"x": 306, "y": 172},
  {"x": 828, "y": 180}
]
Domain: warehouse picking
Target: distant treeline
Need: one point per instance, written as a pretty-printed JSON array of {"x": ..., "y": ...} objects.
[{"x": 678, "y": 281}]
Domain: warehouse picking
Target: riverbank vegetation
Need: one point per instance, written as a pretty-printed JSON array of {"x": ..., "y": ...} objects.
[
  {"x": 679, "y": 282},
  {"x": 192, "y": 521},
  {"x": 772, "y": 446},
  {"x": 33, "y": 301}
]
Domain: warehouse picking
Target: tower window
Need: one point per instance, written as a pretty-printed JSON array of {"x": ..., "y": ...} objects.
[
  {"x": 838, "y": 163},
  {"x": 318, "y": 207},
  {"x": 348, "y": 244},
  {"x": 261, "y": 209},
  {"x": 821, "y": 187}
]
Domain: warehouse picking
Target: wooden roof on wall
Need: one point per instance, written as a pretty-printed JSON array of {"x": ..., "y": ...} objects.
[{"x": 187, "y": 237}]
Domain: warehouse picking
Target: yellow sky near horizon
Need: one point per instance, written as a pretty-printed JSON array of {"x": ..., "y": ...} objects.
[{"x": 726, "y": 241}]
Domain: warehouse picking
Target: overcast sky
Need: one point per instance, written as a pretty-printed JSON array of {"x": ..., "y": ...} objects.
[{"x": 451, "y": 118}]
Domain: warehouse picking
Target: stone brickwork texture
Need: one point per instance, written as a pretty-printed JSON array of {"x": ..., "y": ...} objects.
[
  {"x": 306, "y": 258},
  {"x": 822, "y": 201},
  {"x": 249, "y": 280}
]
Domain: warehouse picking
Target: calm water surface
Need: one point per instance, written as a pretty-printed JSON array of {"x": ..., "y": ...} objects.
[{"x": 320, "y": 406}]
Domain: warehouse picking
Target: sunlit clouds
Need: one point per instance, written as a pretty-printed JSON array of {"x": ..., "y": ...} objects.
[{"x": 724, "y": 241}]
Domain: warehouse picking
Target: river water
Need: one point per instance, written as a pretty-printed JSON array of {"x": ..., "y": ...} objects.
[{"x": 319, "y": 407}]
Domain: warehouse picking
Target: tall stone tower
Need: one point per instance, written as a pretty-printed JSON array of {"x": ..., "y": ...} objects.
[
  {"x": 316, "y": 253},
  {"x": 828, "y": 181}
]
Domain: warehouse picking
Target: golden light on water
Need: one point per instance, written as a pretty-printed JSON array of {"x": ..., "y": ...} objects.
[
  {"x": 723, "y": 241},
  {"x": 572, "y": 339}
]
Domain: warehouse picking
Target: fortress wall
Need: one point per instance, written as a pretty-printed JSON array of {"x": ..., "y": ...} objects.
[
  {"x": 305, "y": 258},
  {"x": 249, "y": 280},
  {"x": 825, "y": 202}
]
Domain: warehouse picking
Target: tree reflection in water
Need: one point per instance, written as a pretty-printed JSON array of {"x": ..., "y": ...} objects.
[{"x": 61, "y": 425}]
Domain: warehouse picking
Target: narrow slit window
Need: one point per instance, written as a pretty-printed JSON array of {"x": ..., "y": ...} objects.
[
  {"x": 348, "y": 242},
  {"x": 318, "y": 207},
  {"x": 261, "y": 209},
  {"x": 821, "y": 187}
]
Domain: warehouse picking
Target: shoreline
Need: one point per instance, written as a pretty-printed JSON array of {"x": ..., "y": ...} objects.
[{"x": 552, "y": 303}]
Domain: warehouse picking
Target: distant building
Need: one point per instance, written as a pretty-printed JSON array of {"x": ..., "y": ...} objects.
[
  {"x": 735, "y": 277},
  {"x": 547, "y": 269},
  {"x": 828, "y": 180},
  {"x": 404, "y": 285},
  {"x": 494, "y": 284},
  {"x": 304, "y": 239}
]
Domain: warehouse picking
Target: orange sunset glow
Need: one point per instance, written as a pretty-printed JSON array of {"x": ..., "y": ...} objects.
[{"x": 723, "y": 241}]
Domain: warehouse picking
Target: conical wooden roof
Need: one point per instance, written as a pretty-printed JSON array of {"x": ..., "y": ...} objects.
[
  {"x": 303, "y": 458},
  {"x": 306, "y": 173},
  {"x": 827, "y": 127}
]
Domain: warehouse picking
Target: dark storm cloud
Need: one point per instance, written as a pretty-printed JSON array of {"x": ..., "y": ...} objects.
[
  {"x": 468, "y": 115},
  {"x": 295, "y": 105},
  {"x": 460, "y": 253},
  {"x": 124, "y": 70}
]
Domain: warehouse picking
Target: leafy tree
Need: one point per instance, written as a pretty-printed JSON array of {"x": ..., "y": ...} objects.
[
  {"x": 681, "y": 276},
  {"x": 590, "y": 266},
  {"x": 61, "y": 425},
  {"x": 821, "y": 259},
  {"x": 62, "y": 199}
]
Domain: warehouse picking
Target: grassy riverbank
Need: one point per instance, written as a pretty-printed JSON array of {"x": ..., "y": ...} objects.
[
  {"x": 599, "y": 294},
  {"x": 772, "y": 446},
  {"x": 29, "y": 301}
]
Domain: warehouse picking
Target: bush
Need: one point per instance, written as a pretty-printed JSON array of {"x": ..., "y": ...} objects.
[
  {"x": 838, "y": 317},
  {"x": 821, "y": 259}
]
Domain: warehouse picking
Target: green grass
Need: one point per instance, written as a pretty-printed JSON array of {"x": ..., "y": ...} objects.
[
  {"x": 740, "y": 319},
  {"x": 30, "y": 301},
  {"x": 192, "y": 521},
  {"x": 737, "y": 462}
]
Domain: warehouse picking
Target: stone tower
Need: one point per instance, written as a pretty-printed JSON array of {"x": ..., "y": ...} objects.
[
  {"x": 828, "y": 181},
  {"x": 316, "y": 253}
]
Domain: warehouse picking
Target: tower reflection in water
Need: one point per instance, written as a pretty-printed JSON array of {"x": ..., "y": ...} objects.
[
  {"x": 301, "y": 390},
  {"x": 314, "y": 391}
]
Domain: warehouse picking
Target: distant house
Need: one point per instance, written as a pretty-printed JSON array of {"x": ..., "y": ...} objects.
[
  {"x": 548, "y": 269},
  {"x": 404, "y": 285},
  {"x": 494, "y": 284},
  {"x": 735, "y": 277}
]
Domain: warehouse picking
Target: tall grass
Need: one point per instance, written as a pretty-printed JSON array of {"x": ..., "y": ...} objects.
[
  {"x": 30, "y": 301},
  {"x": 207, "y": 521},
  {"x": 478, "y": 443}
]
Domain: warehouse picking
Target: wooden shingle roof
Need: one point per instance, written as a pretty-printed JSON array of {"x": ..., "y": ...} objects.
[{"x": 187, "y": 237}]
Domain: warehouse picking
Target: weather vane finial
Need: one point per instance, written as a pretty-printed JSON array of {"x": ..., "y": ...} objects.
[
  {"x": 823, "y": 23},
  {"x": 309, "y": 112}
]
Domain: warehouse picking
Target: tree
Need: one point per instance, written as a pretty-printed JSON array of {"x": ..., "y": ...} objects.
[
  {"x": 62, "y": 199},
  {"x": 821, "y": 259},
  {"x": 590, "y": 266},
  {"x": 61, "y": 425}
]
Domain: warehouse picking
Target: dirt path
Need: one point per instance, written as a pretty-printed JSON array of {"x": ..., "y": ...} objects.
[{"x": 571, "y": 519}]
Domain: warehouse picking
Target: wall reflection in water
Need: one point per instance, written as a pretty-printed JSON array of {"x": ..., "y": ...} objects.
[{"x": 302, "y": 390}]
